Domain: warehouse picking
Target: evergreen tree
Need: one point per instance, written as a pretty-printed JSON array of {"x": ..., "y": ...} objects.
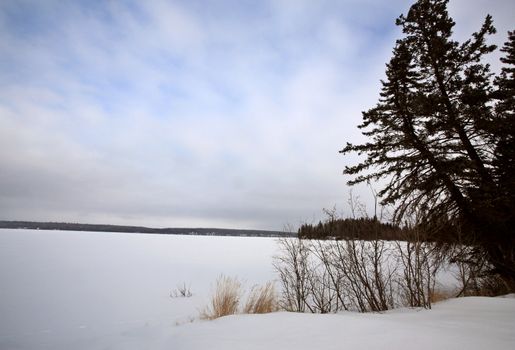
[
  {"x": 505, "y": 109},
  {"x": 434, "y": 134}
]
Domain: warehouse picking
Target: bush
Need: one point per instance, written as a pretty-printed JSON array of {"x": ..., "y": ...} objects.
[
  {"x": 334, "y": 275},
  {"x": 477, "y": 279},
  {"x": 419, "y": 263},
  {"x": 294, "y": 270}
]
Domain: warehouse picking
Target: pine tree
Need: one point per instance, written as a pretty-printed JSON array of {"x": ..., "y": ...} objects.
[
  {"x": 505, "y": 109},
  {"x": 434, "y": 134}
]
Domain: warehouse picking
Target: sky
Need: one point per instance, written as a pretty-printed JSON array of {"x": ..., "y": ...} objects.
[{"x": 193, "y": 113}]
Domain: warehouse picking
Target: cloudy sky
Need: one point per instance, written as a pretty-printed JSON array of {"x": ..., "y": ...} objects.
[{"x": 192, "y": 113}]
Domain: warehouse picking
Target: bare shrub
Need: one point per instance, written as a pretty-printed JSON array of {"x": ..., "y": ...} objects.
[
  {"x": 355, "y": 274},
  {"x": 417, "y": 280},
  {"x": 329, "y": 276},
  {"x": 322, "y": 294},
  {"x": 467, "y": 276},
  {"x": 181, "y": 292},
  {"x": 491, "y": 285},
  {"x": 419, "y": 261},
  {"x": 261, "y": 300},
  {"x": 368, "y": 274},
  {"x": 333, "y": 283},
  {"x": 366, "y": 265},
  {"x": 225, "y": 300},
  {"x": 293, "y": 268},
  {"x": 474, "y": 273}
]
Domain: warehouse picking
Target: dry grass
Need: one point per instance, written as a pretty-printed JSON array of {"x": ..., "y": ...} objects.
[
  {"x": 261, "y": 300},
  {"x": 181, "y": 292},
  {"x": 440, "y": 295},
  {"x": 225, "y": 300},
  {"x": 227, "y": 295}
]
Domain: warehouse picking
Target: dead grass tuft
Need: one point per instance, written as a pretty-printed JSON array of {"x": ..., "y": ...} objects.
[
  {"x": 225, "y": 300},
  {"x": 261, "y": 300},
  {"x": 440, "y": 295}
]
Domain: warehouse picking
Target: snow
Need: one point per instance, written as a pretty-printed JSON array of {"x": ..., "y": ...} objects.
[
  {"x": 84, "y": 290},
  {"x": 467, "y": 323}
]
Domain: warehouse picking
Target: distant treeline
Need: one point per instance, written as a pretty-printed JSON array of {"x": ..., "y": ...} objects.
[
  {"x": 139, "y": 229},
  {"x": 362, "y": 228}
]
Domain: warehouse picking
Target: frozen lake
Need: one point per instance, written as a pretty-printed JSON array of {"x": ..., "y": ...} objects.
[{"x": 61, "y": 289}]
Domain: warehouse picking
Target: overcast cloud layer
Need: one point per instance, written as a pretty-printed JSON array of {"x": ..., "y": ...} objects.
[{"x": 192, "y": 113}]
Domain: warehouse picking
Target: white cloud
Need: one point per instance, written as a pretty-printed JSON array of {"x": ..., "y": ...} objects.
[{"x": 163, "y": 113}]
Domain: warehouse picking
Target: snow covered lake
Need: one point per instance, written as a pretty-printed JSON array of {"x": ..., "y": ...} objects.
[
  {"x": 84, "y": 290},
  {"x": 63, "y": 289}
]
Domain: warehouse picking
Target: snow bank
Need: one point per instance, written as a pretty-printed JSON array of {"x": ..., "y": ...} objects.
[{"x": 466, "y": 323}]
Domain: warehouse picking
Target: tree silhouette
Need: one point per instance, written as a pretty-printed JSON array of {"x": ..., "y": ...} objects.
[{"x": 439, "y": 134}]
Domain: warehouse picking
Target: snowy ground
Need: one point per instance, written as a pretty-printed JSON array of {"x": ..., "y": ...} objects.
[{"x": 71, "y": 290}]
